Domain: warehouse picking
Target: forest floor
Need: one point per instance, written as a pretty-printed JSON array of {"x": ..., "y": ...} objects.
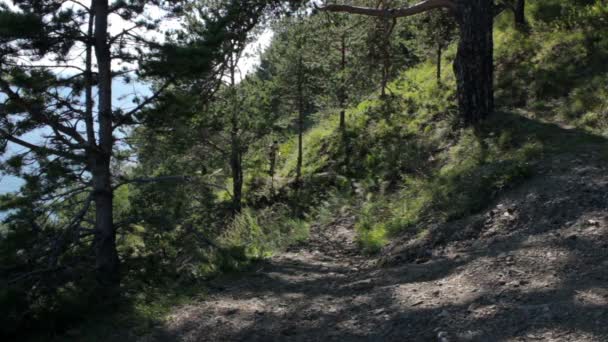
[{"x": 532, "y": 267}]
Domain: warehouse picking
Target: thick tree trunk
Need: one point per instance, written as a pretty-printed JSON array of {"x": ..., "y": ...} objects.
[
  {"x": 107, "y": 262},
  {"x": 474, "y": 60},
  {"x": 520, "y": 14}
]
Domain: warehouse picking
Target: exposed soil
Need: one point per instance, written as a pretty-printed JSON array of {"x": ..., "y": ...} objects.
[{"x": 532, "y": 267}]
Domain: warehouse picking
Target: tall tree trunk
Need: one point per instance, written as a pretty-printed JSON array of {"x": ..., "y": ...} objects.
[
  {"x": 342, "y": 96},
  {"x": 520, "y": 14},
  {"x": 237, "y": 175},
  {"x": 385, "y": 55},
  {"x": 342, "y": 91},
  {"x": 474, "y": 60},
  {"x": 236, "y": 165},
  {"x": 107, "y": 262},
  {"x": 300, "y": 124},
  {"x": 439, "y": 53}
]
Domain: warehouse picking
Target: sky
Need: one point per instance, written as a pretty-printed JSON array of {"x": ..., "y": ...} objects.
[{"x": 122, "y": 91}]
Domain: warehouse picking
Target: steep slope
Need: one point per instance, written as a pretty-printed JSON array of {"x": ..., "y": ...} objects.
[
  {"x": 494, "y": 237},
  {"x": 532, "y": 266}
]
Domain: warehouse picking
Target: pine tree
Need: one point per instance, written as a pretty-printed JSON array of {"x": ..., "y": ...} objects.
[
  {"x": 56, "y": 83},
  {"x": 474, "y": 61}
]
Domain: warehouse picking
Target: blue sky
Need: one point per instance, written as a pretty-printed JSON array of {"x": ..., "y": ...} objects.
[{"x": 121, "y": 96}]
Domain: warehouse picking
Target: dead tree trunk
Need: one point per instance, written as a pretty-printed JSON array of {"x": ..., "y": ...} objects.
[{"x": 107, "y": 262}]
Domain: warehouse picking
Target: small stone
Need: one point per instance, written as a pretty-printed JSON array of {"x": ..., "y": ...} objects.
[
  {"x": 572, "y": 237},
  {"x": 594, "y": 223}
]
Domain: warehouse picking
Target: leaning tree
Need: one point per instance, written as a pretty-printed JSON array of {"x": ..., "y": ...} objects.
[{"x": 474, "y": 61}]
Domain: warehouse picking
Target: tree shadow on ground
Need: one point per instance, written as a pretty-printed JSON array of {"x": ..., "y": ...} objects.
[{"x": 533, "y": 267}]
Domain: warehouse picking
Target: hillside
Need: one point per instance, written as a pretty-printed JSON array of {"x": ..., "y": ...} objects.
[
  {"x": 500, "y": 239},
  {"x": 531, "y": 266},
  {"x": 262, "y": 213}
]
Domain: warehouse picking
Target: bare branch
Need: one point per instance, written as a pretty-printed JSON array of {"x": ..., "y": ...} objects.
[
  {"x": 144, "y": 103},
  {"x": 420, "y": 7}
]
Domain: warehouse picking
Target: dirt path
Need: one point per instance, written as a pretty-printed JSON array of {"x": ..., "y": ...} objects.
[{"x": 533, "y": 267}]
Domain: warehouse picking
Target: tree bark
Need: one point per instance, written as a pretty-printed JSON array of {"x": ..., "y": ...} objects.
[
  {"x": 520, "y": 14},
  {"x": 300, "y": 100},
  {"x": 342, "y": 91},
  {"x": 236, "y": 165},
  {"x": 237, "y": 169},
  {"x": 237, "y": 175},
  {"x": 439, "y": 53},
  {"x": 107, "y": 262},
  {"x": 474, "y": 60}
]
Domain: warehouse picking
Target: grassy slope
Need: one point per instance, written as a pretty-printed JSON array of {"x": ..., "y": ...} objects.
[{"x": 409, "y": 166}]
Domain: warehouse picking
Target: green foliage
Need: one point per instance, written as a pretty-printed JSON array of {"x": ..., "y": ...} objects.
[
  {"x": 259, "y": 234},
  {"x": 401, "y": 165},
  {"x": 470, "y": 174},
  {"x": 558, "y": 72}
]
